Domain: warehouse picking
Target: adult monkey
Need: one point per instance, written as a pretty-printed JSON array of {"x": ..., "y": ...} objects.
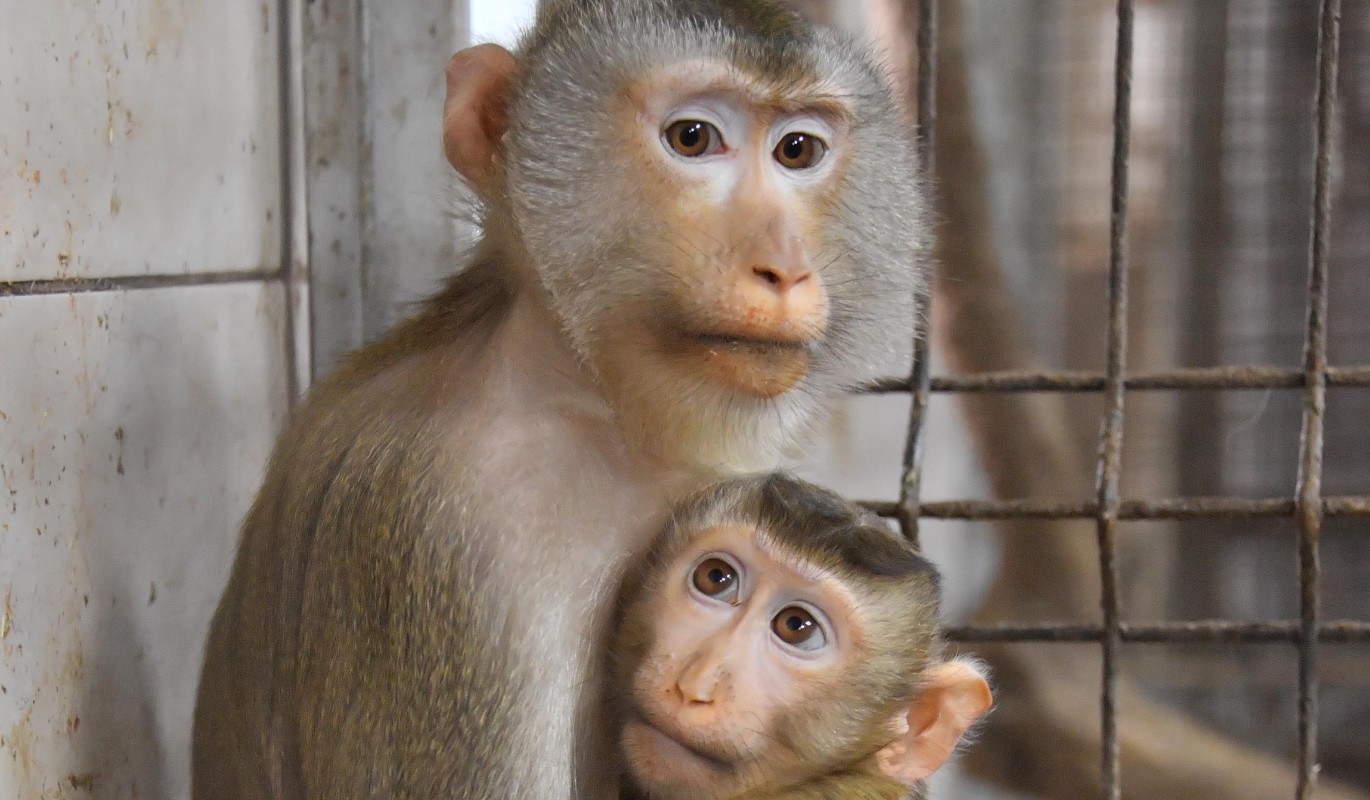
[{"x": 699, "y": 222}]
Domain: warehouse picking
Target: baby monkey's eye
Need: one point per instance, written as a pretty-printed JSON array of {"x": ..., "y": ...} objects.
[
  {"x": 715, "y": 578},
  {"x": 798, "y": 629},
  {"x": 693, "y": 138},
  {"x": 800, "y": 151}
]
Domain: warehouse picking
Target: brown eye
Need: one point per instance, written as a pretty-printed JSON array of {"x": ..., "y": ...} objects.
[
  {"x": 800, "y": 151},
  {"x": 692, "y": 138},
  {"x": 716, "y": 578},
  {"x": 798, "y": 629}
]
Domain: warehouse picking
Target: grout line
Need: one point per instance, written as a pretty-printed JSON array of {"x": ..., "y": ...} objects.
[{"x": 47, "y": 286}]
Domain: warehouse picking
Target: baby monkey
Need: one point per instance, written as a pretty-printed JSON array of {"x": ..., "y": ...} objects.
[{"x": 779, "y": 642}]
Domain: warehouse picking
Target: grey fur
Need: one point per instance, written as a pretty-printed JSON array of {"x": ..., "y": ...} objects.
[{"x": 419, "y": 591}]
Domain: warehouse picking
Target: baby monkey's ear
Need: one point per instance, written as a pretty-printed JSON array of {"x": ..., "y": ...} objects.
[
  {"x": 475, "y": 114},
  {"x": 953, "y": 695}
]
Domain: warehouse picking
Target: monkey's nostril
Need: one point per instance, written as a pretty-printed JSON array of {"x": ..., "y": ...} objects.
[{"x": 768, "y": 275}]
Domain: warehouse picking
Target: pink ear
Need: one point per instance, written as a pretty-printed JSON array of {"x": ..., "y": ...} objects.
[
  {"x": 475, "y": 113},
  {"x": 952, "y": 698}
]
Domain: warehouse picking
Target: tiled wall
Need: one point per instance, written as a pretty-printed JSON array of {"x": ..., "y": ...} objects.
[
  {"x": 165, "y": 165},
  {"x": 139, "y": 145},
  {"x": 135, "y": 427}
]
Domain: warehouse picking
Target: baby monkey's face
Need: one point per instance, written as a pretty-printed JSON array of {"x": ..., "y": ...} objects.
[
  {"x": 778, "y": 635},
  {"x": 745, "y": 638}
]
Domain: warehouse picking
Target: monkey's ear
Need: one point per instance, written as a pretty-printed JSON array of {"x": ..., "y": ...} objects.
[
  {"x": 475, "y": 114},
  {"x": 954, "y": 695}
]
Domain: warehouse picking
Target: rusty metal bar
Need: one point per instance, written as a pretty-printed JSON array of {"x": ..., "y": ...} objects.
[
  {"x": 1195, "y": 378},
  {"x": 1128, "y": 510},
  {"x": 1211, "y": 631},
  {"x": 911, "y": 476},
  {"x": 1111, "y": 437},
  {"x": 1309, "y": 494}
]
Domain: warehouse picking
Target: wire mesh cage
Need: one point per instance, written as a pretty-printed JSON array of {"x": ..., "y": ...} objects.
[{"x": 1265, "y": 307}]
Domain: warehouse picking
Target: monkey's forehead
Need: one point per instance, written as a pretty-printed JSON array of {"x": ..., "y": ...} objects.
[
  {"x": 803, "y": 565},
  {"x": 799, "y": 517},
  {"x": 809, "y": 561},
  {"x": 759, "y": 548},
  {"x": 846, "y": 556},
  {"x": 706, "y": 77},
  {"x": 618, "y": 40}
]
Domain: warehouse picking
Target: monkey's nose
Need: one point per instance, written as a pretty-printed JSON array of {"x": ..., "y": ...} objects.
[
  {"x": 696, "y": 691},
  {"x": 697, "y": 683},
  {"x": 781, "y": 279}
]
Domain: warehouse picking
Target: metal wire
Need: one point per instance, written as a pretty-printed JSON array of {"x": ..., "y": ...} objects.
[
  {"x": 1194, "y": 378},
  {"x": 911, "y": 477},
  {"x": 1209, "y": 631},
  {"x": 1128, "y": 510},
  {"x": 1308, "y": 506},
  {"x": 1309, "y": 496},
  {"x": 1111, "y": 438}
]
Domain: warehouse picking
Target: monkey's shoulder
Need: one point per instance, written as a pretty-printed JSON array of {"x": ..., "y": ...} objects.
[{"x": 513, "y": 441}]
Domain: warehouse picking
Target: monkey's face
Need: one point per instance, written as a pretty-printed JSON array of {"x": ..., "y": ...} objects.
[
  {"x": 742, "y": 182},
  {"x": 724, "y": 247},
  {"x": 747, "y": 642}
]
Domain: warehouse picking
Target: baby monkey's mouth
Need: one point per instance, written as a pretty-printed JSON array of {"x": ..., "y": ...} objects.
[{"x": 709, "y": 756}]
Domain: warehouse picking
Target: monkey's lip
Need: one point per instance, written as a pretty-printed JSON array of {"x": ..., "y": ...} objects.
[
  {"x": 670, "y": 740},
  {"x": 737, "y": 340},
  {"x": 761, "y": 367}
]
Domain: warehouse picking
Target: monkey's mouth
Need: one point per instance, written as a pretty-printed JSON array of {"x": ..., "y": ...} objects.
[
  {"x": 761, "y": 367},
  {"x": 737, "y": 341},
  {"x": 668, "y": 744}
]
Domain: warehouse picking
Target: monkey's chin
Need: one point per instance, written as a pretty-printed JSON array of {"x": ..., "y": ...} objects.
[
  {"x": 761, "y": 369},
  {"x": 667, "y": 768}
]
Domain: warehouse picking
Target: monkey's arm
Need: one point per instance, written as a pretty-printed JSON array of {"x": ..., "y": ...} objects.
[
  {"x": 409, "y": 684},
  {"x": 365, "y": 646}
]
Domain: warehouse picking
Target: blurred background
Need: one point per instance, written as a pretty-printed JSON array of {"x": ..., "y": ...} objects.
[{"x": 203, "y": 205}]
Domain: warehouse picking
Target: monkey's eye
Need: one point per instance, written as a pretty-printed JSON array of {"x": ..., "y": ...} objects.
[
  {"x": 800, "y": 151},
  {"x": 693, "y": 138},
  {"x": 797, "y": 628},
  {"x": 715, "y": 578}
]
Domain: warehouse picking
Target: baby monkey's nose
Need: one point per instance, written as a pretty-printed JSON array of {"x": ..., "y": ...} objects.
[{"x": 697, "y": 683}]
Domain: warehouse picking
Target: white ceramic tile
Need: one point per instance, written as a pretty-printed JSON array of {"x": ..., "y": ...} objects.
[
  {"x": 134, "y": 428},
  {"x": 138, "y": 137}
]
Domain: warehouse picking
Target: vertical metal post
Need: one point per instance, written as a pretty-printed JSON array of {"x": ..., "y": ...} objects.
[
  {"x": 911, "y": 478},
  {"x": 1308, "y": 500},
  {"x": 1111, "y": 437},
  {"x": 294, "y": 266}
]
